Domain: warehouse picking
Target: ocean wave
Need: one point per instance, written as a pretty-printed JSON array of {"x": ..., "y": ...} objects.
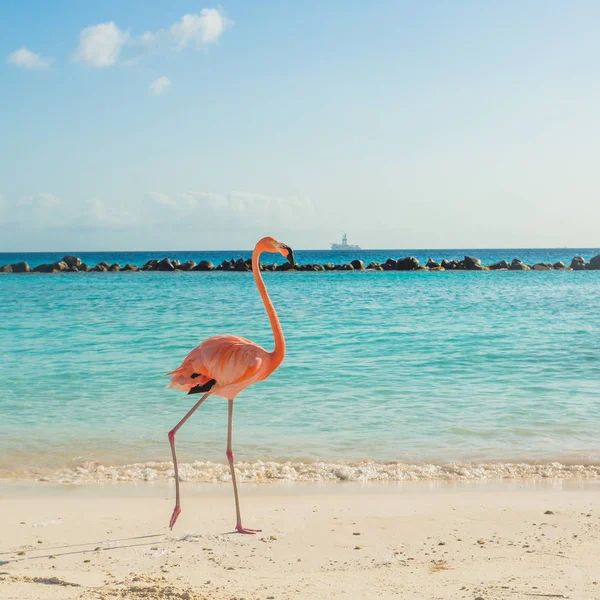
[{"x": 317, "y": 471}]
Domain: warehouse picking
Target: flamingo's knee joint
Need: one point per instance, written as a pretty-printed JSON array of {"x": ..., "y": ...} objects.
[
  {"x": 229, "y": 455},
  {"x": 172, "y": 436}
]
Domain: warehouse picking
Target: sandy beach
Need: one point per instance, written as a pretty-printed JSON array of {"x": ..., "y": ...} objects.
[{"x": 418, "y": 540}]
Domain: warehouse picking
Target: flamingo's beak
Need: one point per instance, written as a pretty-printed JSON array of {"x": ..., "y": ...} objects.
[{"x": 290, "y": 255}]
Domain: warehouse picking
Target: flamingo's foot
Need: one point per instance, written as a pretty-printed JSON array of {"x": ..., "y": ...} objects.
[
  {"x": 176, "y": 513},
  {"x": 241, "y": 529}
]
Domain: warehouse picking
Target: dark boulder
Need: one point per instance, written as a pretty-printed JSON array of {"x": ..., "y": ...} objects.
[
  {"x": 357, "y": 265},
  {"x": 594, "y": 264},
  {"x": 390, "y": 264},
  {"x": 269, "y": 267},
  {"x": 242, "y": 265},
  {"x": 84, "y": 268},
  {"x": 410, "y": 263},
  {"x": 224, "y": 266},
  {"x": 100, "y": 268},
  {"x": 6, "y": 269},
  {"x": 559, "y": 266},
  {"x": 73, "y": 269},
  {"x": 43, "y": 268},
  {"x": 542, "y": 267},
  {"x": 176, "y": 262},
  {"x": 471, "y": 263},
  {"x": 188, "y": 265},
  {"x": 346, "y": 267},
  {"x": 578, "y": 263},
  {"x": 204, "y": 265},
  {"x": 287, "y": 267},
  {"x": 375, "y": 266},
  {"x": 72, "y": 261},
  {"x": 21, "y": 267},
  {"x": 130, "y": 267},
  {"x": 165, "y": 265},
  {"x": 518, "y": 265},
  {"x": 431, "y": 264},
  {"x": 150, "y": 265},
  {"x": 60, "y": 266},
  {"x": 452, "y": 265},
  {"x": 499, "y": 265},
  {"x": 329, "y": 266},
  {"x": 114, "y": 267}
]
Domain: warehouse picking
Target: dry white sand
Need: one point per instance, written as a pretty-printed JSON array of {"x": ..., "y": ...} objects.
[{"x": 421, "y": 541}]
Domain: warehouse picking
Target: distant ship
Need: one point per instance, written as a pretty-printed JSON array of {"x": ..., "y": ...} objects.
[{"x": 344, "y": 245}]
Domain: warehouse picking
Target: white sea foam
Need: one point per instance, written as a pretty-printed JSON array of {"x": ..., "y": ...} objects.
[{"x": 318, "y": 471}]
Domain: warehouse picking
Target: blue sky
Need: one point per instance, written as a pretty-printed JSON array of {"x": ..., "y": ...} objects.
[{"x": 185, "y": 125}]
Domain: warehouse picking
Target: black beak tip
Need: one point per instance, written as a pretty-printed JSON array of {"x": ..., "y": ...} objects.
[{"x": 290, "y": 255}]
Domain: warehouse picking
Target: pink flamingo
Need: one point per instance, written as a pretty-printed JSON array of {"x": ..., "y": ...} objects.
[{"x": 224, "y": 365}]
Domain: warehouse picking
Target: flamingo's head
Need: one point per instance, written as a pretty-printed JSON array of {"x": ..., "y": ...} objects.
[{"x": 270, "y": 244}]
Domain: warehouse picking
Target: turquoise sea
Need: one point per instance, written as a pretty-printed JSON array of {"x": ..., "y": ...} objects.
[{"x": 383, "y": 368}]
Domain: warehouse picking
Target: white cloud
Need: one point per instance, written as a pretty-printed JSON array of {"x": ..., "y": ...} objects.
[
  {"x": 203, "y": 28},
  {"x": 100, "y": 45},
  {"x": 241, "y": 210},
  {"x": 158, "y": 86},
  {"x": 161, "y": 199},
  {"x": 23, "y": 57}
]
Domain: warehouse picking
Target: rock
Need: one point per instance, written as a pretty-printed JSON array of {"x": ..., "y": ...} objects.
[
  {"x": 130, "y": 267},
  {"x": 188, "y": 265},
  {"x": 431, "y": 264},
  {"x": 438, "y": 268},
  {"x": 452, "y": 265},
  {"x": 224, "y": 266},
  {"x": 165, "y": 265},
  {"x": 242, "y": 266},
  {"x": 72, "y": 261},
  {"x": 389, "y": 265},
  {"x": 287, "y": 267},
  {"x": 73, "y": 269},
  {"x": 43, "y": 268},
  {"x": 578, "y": 263},
  {"x": 471, "y": 263},
  {"x": 176, "y": 262},
  {"x": 104, "y": 264},
  {"x": 518, "y": 265},
  {"x": 204, "y": 265},
  {"x": 150, "y": 265},
  {"x": 84, "y": 268},
  {"x": 499, "y": 265},
  {"x": 6, "y": 269},
  {"x": 594, "y": 264},
  {"x": 358, "y": 265},
  {"x": 410, "y": 263},
  {"x": 329, "y": 266},
  {"x": 559, "y": 266},
  {"x": 375, "y": 266},
  {"x": 542, "y": 267},
  {"x": 21, "y": 267},
  {"x": 100, "y": 268},
  {"x": 60, "y": 266},
  {"x": 114, "y": 267}
]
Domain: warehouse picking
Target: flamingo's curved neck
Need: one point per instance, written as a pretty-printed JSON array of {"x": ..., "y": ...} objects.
[{"x": 279, "y": 351}]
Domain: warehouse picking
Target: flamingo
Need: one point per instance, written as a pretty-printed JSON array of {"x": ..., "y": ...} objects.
[{"x": 224, "y": 365}]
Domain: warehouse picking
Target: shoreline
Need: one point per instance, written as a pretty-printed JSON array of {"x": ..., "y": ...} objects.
[{"x": 311, "y": 472}]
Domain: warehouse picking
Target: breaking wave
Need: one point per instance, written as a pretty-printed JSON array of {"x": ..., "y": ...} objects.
[{"x": 317, "y": 472}]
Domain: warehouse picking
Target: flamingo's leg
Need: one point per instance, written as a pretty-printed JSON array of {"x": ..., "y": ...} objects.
[
  {"x": 172, "y": 433},
  {"x": 238, "y": 524}
]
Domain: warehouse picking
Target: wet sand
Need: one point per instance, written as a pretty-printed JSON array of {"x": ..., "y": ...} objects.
[{"x": 416, "y": 540}]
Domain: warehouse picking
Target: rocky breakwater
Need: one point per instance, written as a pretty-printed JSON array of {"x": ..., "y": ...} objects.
[{"x": 74, "y": 264}]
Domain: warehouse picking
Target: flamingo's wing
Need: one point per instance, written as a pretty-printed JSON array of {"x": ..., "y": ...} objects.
[{"x": 220, "y": 360}]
